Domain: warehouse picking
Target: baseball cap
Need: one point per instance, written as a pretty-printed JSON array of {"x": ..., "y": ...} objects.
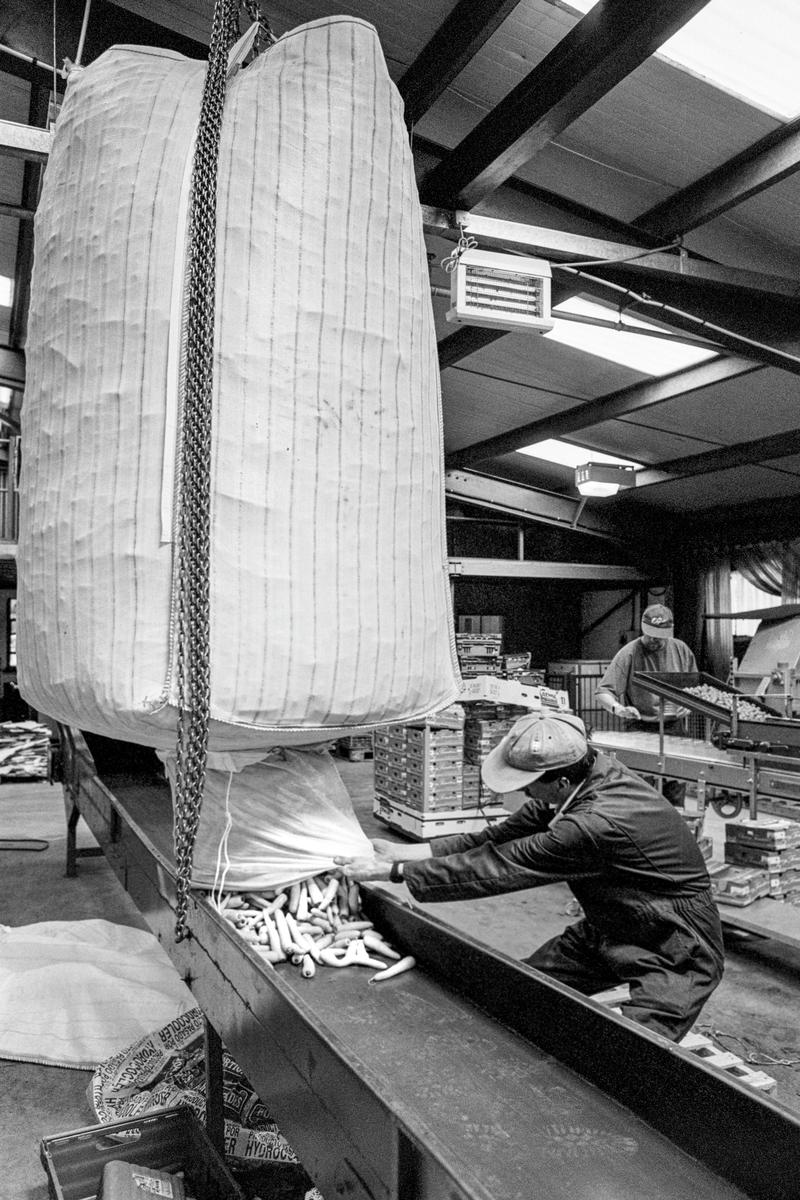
[
  {"x": 534, "y": 745},
  {"x": 657, "y": 621}
]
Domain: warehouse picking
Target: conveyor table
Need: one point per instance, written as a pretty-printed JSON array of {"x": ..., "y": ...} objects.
[{"x": 471, "y": 1078}]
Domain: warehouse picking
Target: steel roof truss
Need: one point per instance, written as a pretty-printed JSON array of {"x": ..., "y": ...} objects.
[{"x": 600, "y": 50}]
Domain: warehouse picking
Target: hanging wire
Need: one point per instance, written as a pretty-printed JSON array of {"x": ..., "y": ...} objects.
[
  {"x": 755, "y": 1058},
  {"x": 465, "y": 242},
  {"x": 675, "y": 244}
]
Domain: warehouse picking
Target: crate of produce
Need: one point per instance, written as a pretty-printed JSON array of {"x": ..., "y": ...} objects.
[
  {"x": 169, "y": 1139},
  {"x": 421, "y": 827},
  {"x": 737, "y": 885},
  {"x": 433, "y": 775},
  {"x": 426, "y": 800},
  {"x": 429, "y": 741},
  {"x": 744, "y": 854},
  {"x": 769, "y": 833}
]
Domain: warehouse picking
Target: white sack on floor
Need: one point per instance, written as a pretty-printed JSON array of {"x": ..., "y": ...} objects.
[
  {"x": 72, "y": 993},
  {"x": 290, "y": 814},
  {"x": 329, "y": 592}
]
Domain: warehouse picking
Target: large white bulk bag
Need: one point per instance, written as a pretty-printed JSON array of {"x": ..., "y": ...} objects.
[{"x": 330, "y": 604}]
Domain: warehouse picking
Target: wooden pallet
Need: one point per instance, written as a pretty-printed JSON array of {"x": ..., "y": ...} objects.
[{"x": 702, "y": 1047}]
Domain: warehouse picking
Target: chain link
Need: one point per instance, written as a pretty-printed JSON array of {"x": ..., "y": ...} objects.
[
  {"x": 194, "y": 497},
  {"x": 193, "y": 676}
]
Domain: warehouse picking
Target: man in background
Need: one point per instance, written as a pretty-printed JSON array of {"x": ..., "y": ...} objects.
[{"x": 619, "y": 693}]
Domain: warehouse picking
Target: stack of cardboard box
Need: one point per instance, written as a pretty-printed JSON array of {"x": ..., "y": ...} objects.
[{"x": 771, "y": 846}]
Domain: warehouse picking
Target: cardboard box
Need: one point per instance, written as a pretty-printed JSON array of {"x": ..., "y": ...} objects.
[
  {"x": 769, "y": 833},
  {"x": 509, "y": 691},
  {"x": 471, "y": 624}
]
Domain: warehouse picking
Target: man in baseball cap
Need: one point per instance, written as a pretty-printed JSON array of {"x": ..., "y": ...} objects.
[
  {"x": 620, "y": 693},
  {"x": 535, "y": 745},
  {"x": 649, "y": 919}
]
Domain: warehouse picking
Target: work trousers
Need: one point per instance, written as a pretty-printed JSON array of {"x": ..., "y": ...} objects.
[
  {"x": 673, "y": 790},
  {"x": 670, "y": 977}
]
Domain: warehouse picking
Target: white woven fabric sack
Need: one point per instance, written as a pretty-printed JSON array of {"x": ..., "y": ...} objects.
[
  {"x": 271, "y": 823},
  {"x": 330, "y": 607}
]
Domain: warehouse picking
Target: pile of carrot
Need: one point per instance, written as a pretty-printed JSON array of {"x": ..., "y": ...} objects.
[{"x": 315, "y": 922}]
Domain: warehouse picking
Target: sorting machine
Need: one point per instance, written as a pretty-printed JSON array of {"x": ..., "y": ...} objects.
[{"x": 472, "y": 1077}]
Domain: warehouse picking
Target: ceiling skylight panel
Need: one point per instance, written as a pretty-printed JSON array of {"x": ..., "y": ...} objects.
[
  {"x": 649, "y": 355},
  {"x": 554, "y": 451},
  {"x": 746, "y": 49}
]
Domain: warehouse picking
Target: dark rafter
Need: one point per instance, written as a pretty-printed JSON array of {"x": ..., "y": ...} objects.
[
  {"x": 457, "y": 40},
  {"x": 725, "y": 458},
  {"x": 600, "y": 50},
  {"x": 28, "y": 28},
  {"x": 616, "y": 404},
  {"x": 760, "y": 166}
]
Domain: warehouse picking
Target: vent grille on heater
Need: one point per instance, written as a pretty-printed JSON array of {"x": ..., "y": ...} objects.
[{"x": 500, "y": 290}]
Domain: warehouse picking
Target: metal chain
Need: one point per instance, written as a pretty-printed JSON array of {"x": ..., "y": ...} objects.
[{"x": 194, "y": 497}]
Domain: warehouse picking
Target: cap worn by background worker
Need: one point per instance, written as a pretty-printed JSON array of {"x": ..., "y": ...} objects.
[
  {"x": 535, "y": 744},
  {"x": 657, "y": 621}
]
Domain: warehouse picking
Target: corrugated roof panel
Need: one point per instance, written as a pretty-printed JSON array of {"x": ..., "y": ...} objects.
[{"x": 692, "y": 495}]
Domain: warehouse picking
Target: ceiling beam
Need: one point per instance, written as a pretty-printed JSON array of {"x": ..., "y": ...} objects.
[
  {"x": 725, "y": 458},
  {"x": 556, "y": 245},
  {"x": 760, "y": 166},
  {"x": 605, "y": 408},
  {"x": 24, "y": 141},
  {"x": 457, "y": 40},
  {"x": 528, "y": 503},
  {"x": 12, "y": 368},
  {"x": 600, "y": 50},
  {"x": 514, "y": 568}
]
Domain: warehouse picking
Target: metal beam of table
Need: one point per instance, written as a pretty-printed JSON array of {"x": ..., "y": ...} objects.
[{"x": 471, "y": 1078}]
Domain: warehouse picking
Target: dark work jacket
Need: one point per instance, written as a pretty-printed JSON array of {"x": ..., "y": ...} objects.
[{"x": 622, "y": 849}]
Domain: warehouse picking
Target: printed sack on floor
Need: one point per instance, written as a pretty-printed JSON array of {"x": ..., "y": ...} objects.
[
  {"x": 167, "y": 1067},
  {"x": 329, "y": 593}
]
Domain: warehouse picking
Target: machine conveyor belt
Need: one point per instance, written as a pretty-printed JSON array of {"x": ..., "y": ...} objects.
[{"x": 472, "y": 1077}]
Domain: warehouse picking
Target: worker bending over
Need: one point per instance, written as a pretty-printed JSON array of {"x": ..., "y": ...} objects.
[
  {"x": 648, "y": 916},
  {"x": 620, "y": 694}
]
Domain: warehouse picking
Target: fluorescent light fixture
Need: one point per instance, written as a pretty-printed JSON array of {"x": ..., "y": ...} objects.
[
  {"x": 748, "y": 50},
  {"x": 603, "y": 479},
  {"x": 650, "y": 356},
  {"x": 567, "y": 455},
  {"x": 6, "y": 291}
]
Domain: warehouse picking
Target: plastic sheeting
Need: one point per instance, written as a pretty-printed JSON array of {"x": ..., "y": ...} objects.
[
  {"x": 330, "y": 606},
  {"x": 271, "y": 823}
]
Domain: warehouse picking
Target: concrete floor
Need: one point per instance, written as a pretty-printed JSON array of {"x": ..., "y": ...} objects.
[{"x": 757, "y": 1000}]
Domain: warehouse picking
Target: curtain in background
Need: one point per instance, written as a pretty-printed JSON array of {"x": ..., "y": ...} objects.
[
  {"x": 772, "y": 566},
  {"x": 702, "y": 584},
  {"x": 718, "y": 641}
]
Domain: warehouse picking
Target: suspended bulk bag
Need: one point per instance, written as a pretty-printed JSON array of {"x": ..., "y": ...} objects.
[{"x": 329, "y": 598}]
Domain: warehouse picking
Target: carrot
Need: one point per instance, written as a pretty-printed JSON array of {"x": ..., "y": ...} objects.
[
  {"x": 397, "y": 968},
  {"x": 308, "y": 969},
  {"x": 283, "y": 931}
]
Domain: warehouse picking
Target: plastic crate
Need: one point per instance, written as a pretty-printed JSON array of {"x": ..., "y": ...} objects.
[{"x": 167, "y": 1139}]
